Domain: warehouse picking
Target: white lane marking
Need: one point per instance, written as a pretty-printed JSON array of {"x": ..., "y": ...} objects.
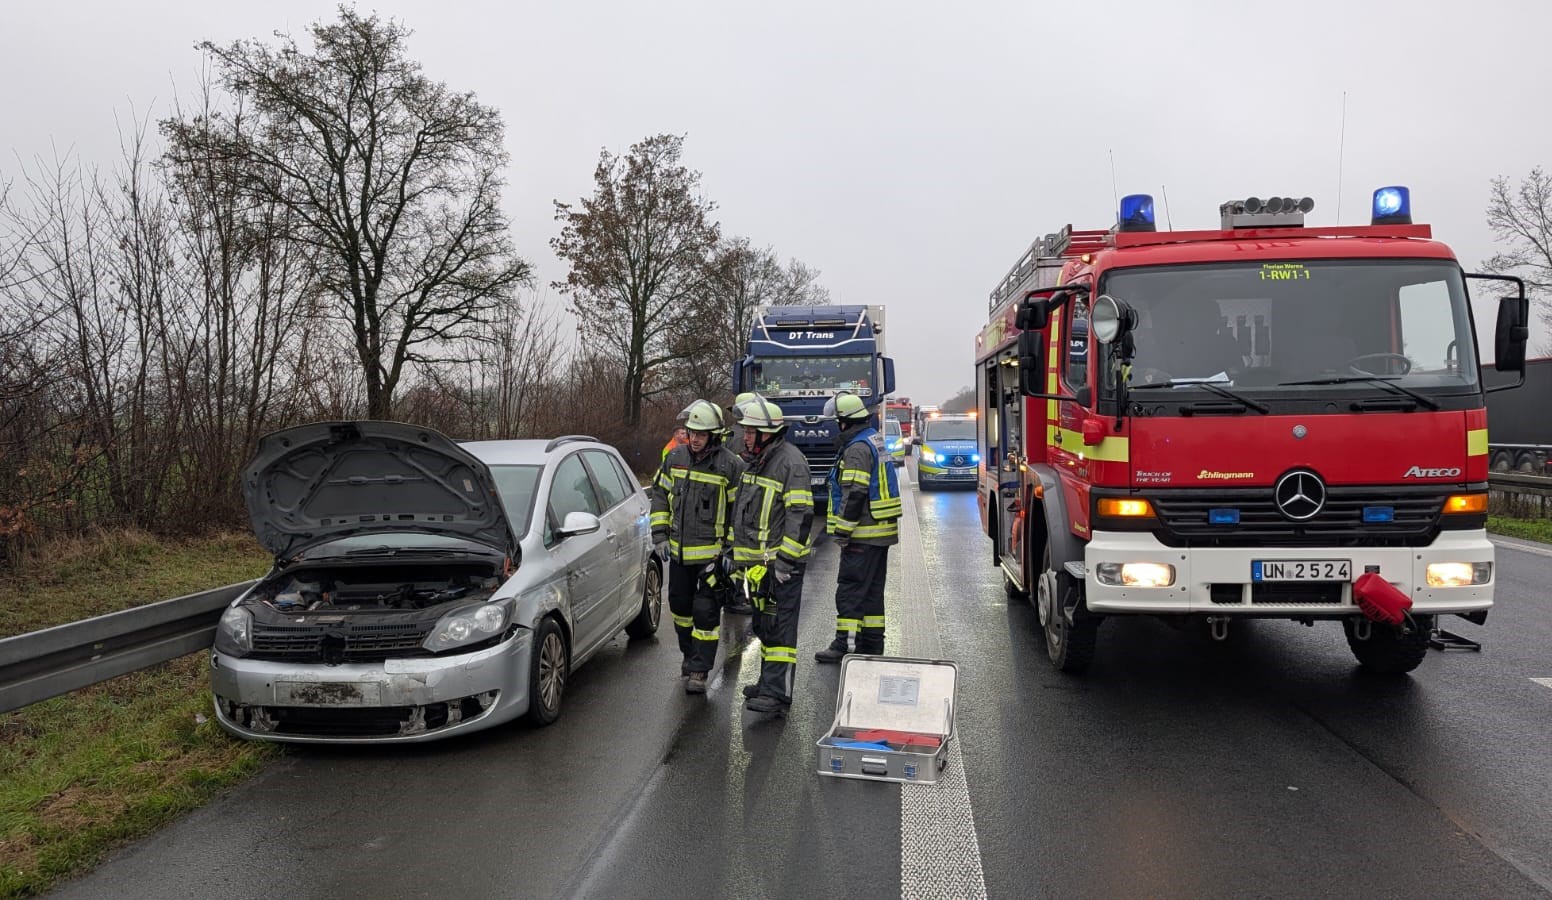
[
  {"x": 1544, "y": 682},
  {"x": 1522, "y": 546},
  {"x": 940, "y": 855}
]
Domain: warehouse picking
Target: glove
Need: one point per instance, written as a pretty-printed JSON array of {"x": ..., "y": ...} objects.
[
  {"x": 783, "y": 571},
  {"x": 660, "y": 543},
  {"x": 841, "y": 540}
]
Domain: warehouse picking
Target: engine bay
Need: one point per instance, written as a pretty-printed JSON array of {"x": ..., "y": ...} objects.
[{"x": 375, "y": 588}]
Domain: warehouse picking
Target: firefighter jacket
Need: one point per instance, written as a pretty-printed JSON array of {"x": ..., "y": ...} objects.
[
  {"x": 865, "y": 502},
  {"x": 692, "y": 502},
  {"x": 775, "y": 508}
]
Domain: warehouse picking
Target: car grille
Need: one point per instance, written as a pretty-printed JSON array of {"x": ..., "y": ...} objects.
[
  {"x": 1323, "y": 593},
  {"x": 341, "y": 642},
  {"x": 1183, "y": 518}
]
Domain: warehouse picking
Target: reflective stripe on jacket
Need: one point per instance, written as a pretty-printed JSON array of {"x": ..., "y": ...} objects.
[
  {"x": 865, "y": 501},
  {"x": 775, "y": 507},
  {"x": 692, "y": 502}
]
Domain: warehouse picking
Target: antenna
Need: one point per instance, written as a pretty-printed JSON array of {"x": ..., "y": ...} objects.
[
  {"x": 1168, "y": 222},
  {"x": 1341, "y": 147},
  {"x": 1114, "y": 191}
]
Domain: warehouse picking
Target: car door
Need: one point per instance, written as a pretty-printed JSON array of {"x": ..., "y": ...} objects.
[
  {"x": 619, "y": 525},
  {"x": 588, "y": 558}
]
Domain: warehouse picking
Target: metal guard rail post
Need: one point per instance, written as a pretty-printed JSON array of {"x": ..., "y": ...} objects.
[{"x": 64, "y": 658}]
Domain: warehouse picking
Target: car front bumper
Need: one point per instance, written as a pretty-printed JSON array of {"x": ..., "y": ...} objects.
[
  {"x": 947, "y": 474},
  {"x": 394, "y": 701},
  {"x": 1217, "y": 580}
]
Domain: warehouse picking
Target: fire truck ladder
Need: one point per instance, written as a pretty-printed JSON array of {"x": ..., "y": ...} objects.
[{"x": 1046, "y": 253}]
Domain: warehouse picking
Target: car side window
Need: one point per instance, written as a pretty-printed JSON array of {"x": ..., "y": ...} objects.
[
  {"x": 610, "y": 486},
  {"x": 626, "y": 478},
  {"x": 572, "y": 490}
]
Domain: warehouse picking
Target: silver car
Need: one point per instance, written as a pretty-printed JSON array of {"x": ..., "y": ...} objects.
[{"x": 424, "y": 588}]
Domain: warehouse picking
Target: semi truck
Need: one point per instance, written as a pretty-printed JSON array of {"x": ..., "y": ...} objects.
[
  {"x": 1519, "y": 432},
  {"x": 1259, "y": 420},
  {"x": 801, "y": 356}
]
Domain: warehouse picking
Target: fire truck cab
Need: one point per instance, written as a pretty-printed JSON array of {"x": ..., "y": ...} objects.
[{"x": 1241, "y": 422}]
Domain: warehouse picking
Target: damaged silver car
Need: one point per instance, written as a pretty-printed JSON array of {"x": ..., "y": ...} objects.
[{"x": 424, "y": 588}]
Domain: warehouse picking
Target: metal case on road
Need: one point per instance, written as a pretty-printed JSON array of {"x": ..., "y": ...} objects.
[{"x": 894, "y": 718}]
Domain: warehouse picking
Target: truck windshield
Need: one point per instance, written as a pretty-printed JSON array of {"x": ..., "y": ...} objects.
[
  {"x": 950, "y": 430},
  {"x": 797, "y": 375},
  {"x": 1297, "y": 328}
]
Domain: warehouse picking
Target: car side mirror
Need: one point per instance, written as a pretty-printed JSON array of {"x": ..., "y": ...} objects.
[
  {"x": 1512, "y": 334},
  {"x": 1034, "y": 314},
  {"x": 1084, "y": 395},
  {"x": 578, "y": 523}
]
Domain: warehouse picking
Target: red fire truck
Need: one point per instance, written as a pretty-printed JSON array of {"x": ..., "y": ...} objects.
[
  {"x": 900, "y": 408},
  {"x": 1263, "y": 420}
]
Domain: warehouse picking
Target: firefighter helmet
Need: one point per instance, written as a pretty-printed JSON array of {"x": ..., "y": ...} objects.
[
  {"x": 762, "y": 415},
  {"x": 846, "y": 407},
  {"x": 703, "y": 415}
]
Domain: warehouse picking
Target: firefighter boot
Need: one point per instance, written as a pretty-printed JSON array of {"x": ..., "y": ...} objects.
[
  {"x": 696, "y": 683},
  {"x": 752, "y": 690},
  {"x": 766, "y": 704},
  {"x": 831, "y": 654}
]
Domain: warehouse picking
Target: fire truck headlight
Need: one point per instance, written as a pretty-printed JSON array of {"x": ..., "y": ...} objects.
[
  {"x": 1138, "y": 574},
  {"x": 1459, "y": 574}
]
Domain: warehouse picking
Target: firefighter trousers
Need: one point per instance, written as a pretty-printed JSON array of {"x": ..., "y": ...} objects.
[
  {"x": 776, "y": 626},
  {"x": 859, "y": 599},
  {"x": 697, "y": 616}
]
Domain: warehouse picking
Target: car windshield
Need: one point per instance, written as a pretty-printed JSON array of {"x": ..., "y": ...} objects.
[
  {"x": 892, "y": 428},
  {"x": 950, "y": 430},
  {"x": 794, "y": 375},
  {"x": 517, "y": 485},
  {"x": 1289, "y": 328}
]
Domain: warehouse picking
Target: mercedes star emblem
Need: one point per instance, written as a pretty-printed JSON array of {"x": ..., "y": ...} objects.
[
  {"x": 1299, "y": 431},
  {"x": 1300, "y": 494}
]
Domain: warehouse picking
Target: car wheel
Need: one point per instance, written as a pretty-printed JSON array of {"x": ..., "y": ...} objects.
[
  {"x": 548, "y": 671},
  {"x": 646, "y": 621},
  {"x": 1388, "y": 651}
]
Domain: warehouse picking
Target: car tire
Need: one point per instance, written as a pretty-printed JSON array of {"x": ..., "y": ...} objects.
[
  {"x": 1070, "y": 646},
  {"x": 923, "y": 483},
  {"x": 646, "y": 621},
  {"x": 1388, "y": 651},
  {"x": 549, "y": 668}
]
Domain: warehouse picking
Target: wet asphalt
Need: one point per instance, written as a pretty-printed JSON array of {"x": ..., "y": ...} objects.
[{"x": 1265, "y": 765}]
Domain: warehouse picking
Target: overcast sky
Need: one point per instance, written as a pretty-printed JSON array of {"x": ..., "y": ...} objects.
[{"x": 910, "y": 151}]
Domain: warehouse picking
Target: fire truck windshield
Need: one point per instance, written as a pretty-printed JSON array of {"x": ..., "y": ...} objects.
[
  {"x": 807, "y": 375},
  {"x": 1292, "y": 328}
]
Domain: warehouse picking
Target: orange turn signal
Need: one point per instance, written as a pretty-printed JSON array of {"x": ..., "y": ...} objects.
[
  {"x": 1125, "y": 508},
  {"x": 1466, "y": 503}
]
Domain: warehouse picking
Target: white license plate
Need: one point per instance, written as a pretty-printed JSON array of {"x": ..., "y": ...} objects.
[
  {"x": 329, "y": 693},
  {"x": 1301, "y": 570}
]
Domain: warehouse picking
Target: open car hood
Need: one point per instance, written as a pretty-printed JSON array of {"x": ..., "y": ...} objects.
[{"x": 317, "y": 483}]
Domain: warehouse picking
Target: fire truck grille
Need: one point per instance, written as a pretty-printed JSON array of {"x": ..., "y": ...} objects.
[{"x": 1184, "y": 518}]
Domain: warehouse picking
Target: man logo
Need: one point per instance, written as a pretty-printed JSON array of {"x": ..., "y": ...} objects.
[{"x": 1420, "y": 472}]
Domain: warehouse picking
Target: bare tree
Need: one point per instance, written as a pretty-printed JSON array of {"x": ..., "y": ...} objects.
[
  {"x": 391, "y": 178},
  {"x": 1521, "y": 218},
  {"x": 799, "y": 286},
  {"x": 640, "y": 251}
]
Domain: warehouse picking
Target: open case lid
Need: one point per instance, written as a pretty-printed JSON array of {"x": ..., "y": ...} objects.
[{"x": 897, "y": 693}]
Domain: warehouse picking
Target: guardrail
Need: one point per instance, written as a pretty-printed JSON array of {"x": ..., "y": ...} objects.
[
  {"x": 64, "y": 658},
  {"x": 58, "y": 660},
  {"x": 1515, "y": 489}
]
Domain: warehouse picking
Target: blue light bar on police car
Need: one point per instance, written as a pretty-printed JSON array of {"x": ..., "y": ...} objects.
[
  {"x": 1392, "y": 206},
  {"x": 1136, "y": 213}
]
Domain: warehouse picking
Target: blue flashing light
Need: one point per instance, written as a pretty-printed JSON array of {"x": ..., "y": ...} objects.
[
  {"x": 1392, "y": 206},
  {"x": 975, "y": 457},
  {"x": 1379, "y": 514},
  {"x": 1136, "y": 213},
  {"x": 1223, "y": 516}
]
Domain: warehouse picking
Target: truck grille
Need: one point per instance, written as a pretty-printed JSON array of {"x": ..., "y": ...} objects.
[
  {"x": 1183, "y": 518},
  {"x": 340, "y": 642}
]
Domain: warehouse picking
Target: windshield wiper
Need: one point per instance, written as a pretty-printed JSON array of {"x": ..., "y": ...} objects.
[
  {"x": 1214, "y": 387},
  {"x": 1387, "y": 384}
]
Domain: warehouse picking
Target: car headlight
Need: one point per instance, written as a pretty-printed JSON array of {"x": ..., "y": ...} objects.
[
  {"x": 469, "y": 625},
  {"x": 1138, "y": 574},
  {"x": 234, "y": 633},
  {"x": 1459, "y": 574},
  {"x": 928, "y": 456}
]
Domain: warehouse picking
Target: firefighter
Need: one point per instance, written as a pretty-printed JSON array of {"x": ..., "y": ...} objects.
[
  {"x": 864, "y": 518},
  {"x": 737, "y": 604},
  {"x": 692, "y": 499},
  {"x": 771, "y": 520}
]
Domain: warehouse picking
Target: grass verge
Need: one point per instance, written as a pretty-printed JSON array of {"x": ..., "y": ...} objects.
[
  {"x": 1528, "y": 529},
  {"x": 83, "y": 773}
]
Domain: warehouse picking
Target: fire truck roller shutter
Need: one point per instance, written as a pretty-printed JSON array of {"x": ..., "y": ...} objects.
[{"x": 1065, "y": 546}]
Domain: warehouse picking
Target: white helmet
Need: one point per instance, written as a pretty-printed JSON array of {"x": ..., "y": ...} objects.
[
  {"x": 762, "y": 415},
  {"x": 703, "y": 415}
]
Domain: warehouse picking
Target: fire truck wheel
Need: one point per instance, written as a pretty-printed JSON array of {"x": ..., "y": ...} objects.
[
  {"x": 1388, "y": 651},
  {"x": 1070, "y": 645}
]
